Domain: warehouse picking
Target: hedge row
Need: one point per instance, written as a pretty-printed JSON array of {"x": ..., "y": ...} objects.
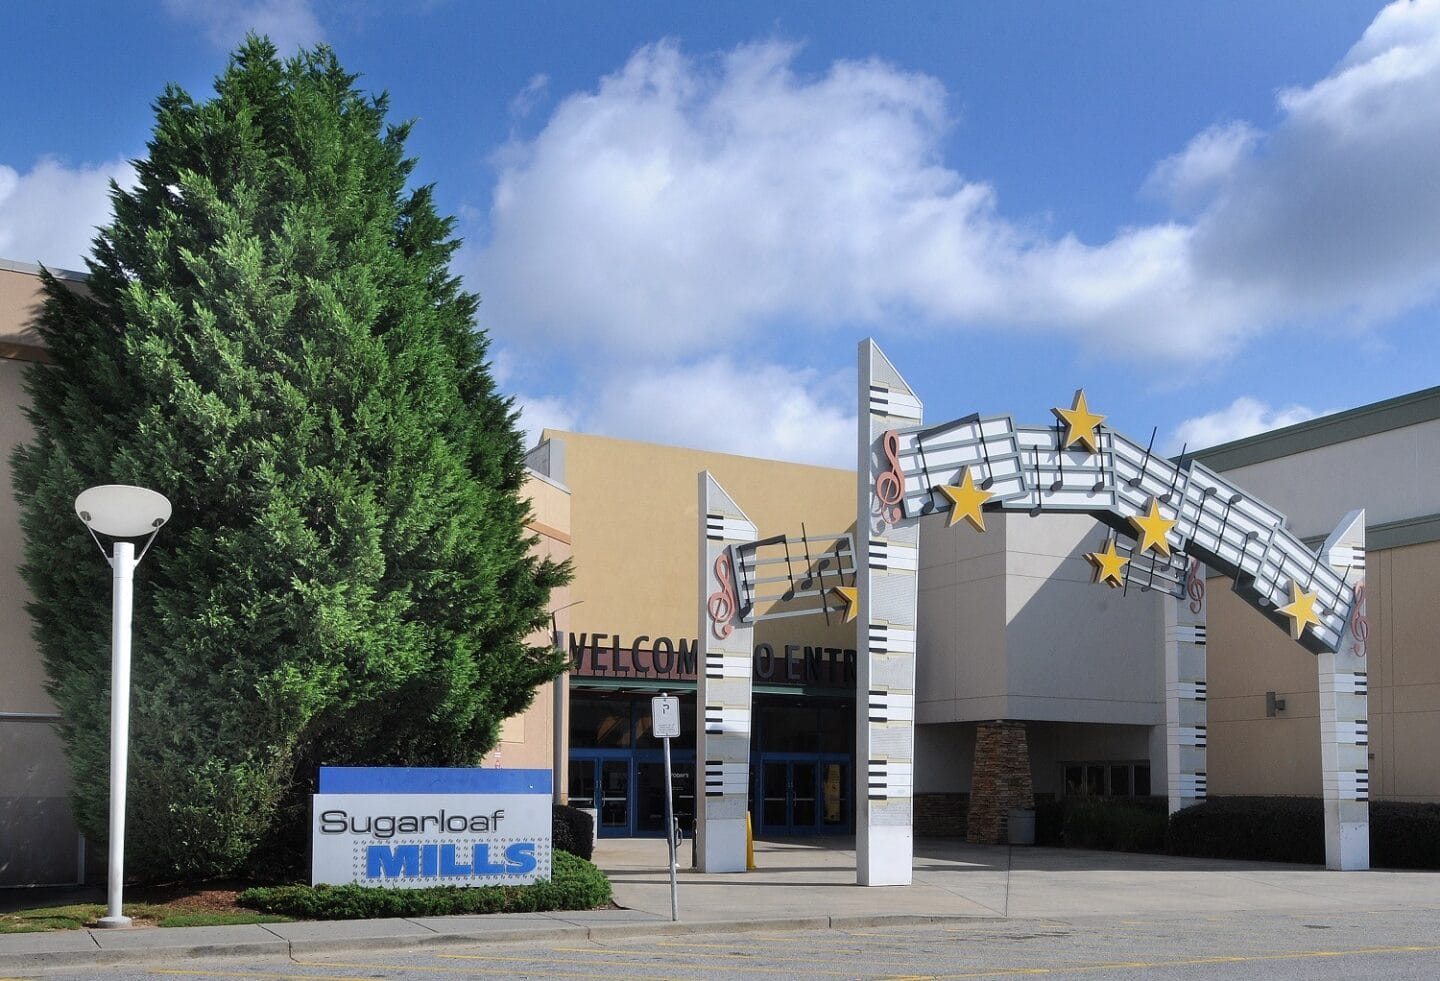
[
  {"x": 1123, "y": 824},
  {"x": 575, "y": 884},
  {"x": 1403, "y": 835}
]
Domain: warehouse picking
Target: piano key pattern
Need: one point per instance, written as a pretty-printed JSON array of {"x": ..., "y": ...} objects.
[
  {"x": 886, "y": 567},
  {"x": 723, "y": 688},
  {"x": 1344, "y": 682}
]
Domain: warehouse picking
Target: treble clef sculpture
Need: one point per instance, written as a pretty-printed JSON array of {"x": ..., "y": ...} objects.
[
  {"x": 890, "y": 484},
  {"x": 721, "y": 603},
  {"x": 1359, "y": 622},
  {"x": 1195, "y": 586}
]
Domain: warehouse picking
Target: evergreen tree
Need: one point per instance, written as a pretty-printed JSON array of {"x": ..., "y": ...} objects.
[{"x": 272, "y": 339}]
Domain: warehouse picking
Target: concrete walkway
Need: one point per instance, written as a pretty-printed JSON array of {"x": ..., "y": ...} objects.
[{"x": 805, "y": 884}]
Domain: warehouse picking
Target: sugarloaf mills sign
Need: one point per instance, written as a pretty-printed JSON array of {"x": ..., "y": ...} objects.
[{"x": 410, "y": 827}]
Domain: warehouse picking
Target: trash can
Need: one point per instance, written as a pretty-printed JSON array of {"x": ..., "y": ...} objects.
[{"x": 1021, "y": 822}]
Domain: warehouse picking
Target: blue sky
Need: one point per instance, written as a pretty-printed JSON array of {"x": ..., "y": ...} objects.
[{"x": 681, "y": 217}]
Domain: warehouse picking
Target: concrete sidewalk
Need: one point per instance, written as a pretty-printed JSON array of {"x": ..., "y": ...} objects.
[{"x": 808, "y": 884}]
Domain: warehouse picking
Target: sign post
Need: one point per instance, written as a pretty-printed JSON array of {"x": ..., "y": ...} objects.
[{"x": 665, "y": 723}]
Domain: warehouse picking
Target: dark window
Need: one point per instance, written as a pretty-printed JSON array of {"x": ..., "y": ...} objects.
[
  {"x": 599, "y": 723},
  {"x": 1106, "y": 779}
]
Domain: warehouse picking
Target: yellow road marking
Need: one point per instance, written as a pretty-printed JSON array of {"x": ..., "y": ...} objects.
[
  {"x": 750, "y": 968},
  {"x": 1188, "y": 962},
  {"x": 768, "y": 958},
  {"x": 254, "y": 974},
  {"x": 470, "y": 972},
  {"x": 773, "y": 938},
  {"x": 983, "y": 973}
]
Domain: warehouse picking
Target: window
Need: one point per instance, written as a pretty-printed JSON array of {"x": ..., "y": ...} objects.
[
  {"x": 599, "y": 723},
  {"x": 1106, "y": 779}
]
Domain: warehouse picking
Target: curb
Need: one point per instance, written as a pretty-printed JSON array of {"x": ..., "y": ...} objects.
[{"x": 601, "y": 931}]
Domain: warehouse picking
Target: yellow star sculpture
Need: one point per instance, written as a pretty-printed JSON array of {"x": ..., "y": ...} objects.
[
  {"x": 1151, "y": 529},
  {"x": 1081, "y": 425},
  {"x": 1109, "y": 564},
  {"x": 965, "y": 500},
  {"x": 1300, "y": 610},
  {"x": 850, "y": 596}
]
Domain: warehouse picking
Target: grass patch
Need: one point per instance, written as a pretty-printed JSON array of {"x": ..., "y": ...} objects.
[
  {"x": 76, "y": 916},
  {"x": 221, "y": 919}
]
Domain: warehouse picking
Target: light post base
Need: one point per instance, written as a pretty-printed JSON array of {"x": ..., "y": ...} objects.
[{"x": 113, "y": 922}]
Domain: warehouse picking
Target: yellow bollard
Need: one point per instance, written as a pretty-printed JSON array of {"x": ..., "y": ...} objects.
[{"x": 749, "y": 845}]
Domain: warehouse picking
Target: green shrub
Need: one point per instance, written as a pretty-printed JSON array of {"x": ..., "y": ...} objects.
[
  {"x": 1049, "y": 822},
  {"x": 1265, "y": 829},
  {"x": 272, "y": 334},
  {"x": 1115, "y": 824},
  {"x": 573, "y": 831},
  {"x": 576, "y": 884},
  {"x": 1404, "y": 835}
]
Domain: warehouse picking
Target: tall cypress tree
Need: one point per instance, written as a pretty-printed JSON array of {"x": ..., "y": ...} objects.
[{"x": 271, "y": 338}]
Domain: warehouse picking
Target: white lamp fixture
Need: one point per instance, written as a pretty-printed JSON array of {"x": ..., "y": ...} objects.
[{"x": 120, "y": 511}]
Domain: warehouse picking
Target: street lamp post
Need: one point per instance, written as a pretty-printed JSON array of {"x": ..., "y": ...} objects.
[{"x": 121, "y": 512}]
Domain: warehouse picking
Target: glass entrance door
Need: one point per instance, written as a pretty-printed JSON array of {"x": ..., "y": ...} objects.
[
  {"x": 603, "y": 783},
  {"x": 803, "y": 794},
  {"x": 627, "y": 791}
]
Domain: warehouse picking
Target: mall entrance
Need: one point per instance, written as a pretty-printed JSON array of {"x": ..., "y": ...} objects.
[
  {"x": 801, "y": 794},
  {"x": 801, "y": 764}
]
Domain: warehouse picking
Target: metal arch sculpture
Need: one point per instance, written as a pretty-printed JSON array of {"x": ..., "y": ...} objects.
[
  {"x": 1170, "y": 509},
  {"x": 1179, "y": 515}
]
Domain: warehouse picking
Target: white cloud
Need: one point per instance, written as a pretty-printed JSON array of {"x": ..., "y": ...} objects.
[
  {"x": 290, "y": 24},
  {"x": 764, "y": 410},
  {"x": 1243, "y": 417},
  {"x": 1206, "y": 163},
  {"x": 49, "y": 214},
  {"x": 1339, "y": 217},
  {"x": 538, "y": 414},
  {"x": 528, "y": 97},
  {"x": 687, "y": 204}
]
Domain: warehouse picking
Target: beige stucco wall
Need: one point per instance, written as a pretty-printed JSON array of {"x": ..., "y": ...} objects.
[
  {"x": 527, "y": 739},
  {"x": 23, "y": 687},
  {"x": 636, "y": 526},
  {"x": 1252, "y": 754},
  {"x": 1393, "y": 475},
  {"x": 38, "y": 841},
  {"x": 1012, "y": 627},
  {"x": 20, "y": 300}
]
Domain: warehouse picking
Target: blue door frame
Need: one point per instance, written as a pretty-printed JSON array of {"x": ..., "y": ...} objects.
[
  {"x": 802, "y": 793},
  {"x": 625, "y": 787}
]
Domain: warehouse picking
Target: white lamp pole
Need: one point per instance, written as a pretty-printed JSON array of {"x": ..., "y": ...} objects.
[{"x": 121, "y": 512}]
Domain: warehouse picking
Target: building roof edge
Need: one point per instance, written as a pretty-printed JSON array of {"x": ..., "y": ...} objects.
[
  {"x": 1340, "y": 427},
  {"x": 30, "y": 268}
]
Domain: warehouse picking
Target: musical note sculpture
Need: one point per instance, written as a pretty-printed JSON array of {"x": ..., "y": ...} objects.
[{"x": 1169, "y": 507}]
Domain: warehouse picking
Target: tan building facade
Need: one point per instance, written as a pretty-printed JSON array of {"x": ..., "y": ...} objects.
[
  {"x": 634, "y": 624},
  {"x": 1386, "y": 458},
  {"x": 38, "y": 840},
  {"x": 1011, "y": 627}
]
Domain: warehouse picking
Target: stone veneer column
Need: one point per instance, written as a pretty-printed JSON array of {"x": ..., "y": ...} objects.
[{"x": 1001, "y": 780}]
